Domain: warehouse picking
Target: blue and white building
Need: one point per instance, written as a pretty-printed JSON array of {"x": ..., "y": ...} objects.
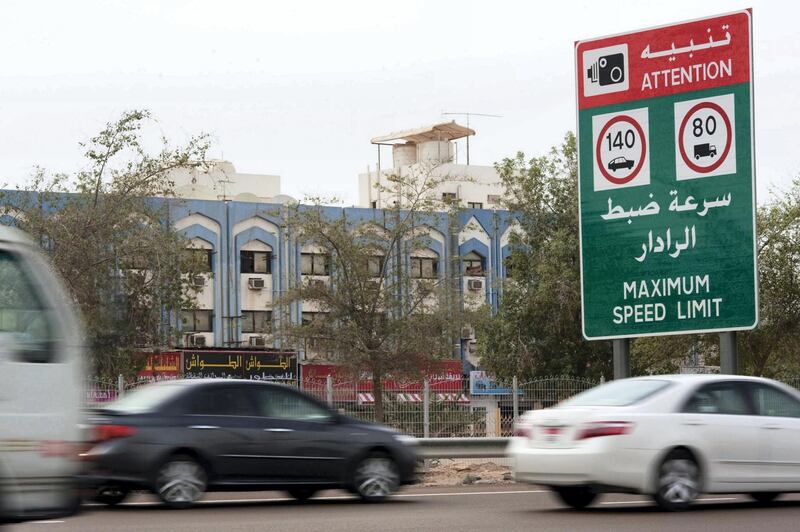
[{"x": 254, "y": 256}]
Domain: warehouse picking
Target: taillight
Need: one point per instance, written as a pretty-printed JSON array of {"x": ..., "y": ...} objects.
[
  {"x": 523, "y": 430},
  {"x": 604, "y": 428},
  {"x": 112, "y": 432}
]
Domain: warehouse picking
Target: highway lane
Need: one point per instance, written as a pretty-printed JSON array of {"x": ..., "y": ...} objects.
[{"x": 506, "y": 508}]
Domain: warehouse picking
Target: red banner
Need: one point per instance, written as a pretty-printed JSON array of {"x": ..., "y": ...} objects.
[
  {"x": 672, "y": 59},
  {"x": 161, "y": 366},
  {"x": 445, "y": 377}
]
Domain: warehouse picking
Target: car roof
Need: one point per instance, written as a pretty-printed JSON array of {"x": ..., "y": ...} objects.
[
  {"x": 14, "y": 236},
  {"x": 703, "y": 377},
  {"x": 208, "y": 381}
]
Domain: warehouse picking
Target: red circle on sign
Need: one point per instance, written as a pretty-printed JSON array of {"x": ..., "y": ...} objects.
[
  {"x": 718, "y": 162},
  {"x": 609, "y": 177}
]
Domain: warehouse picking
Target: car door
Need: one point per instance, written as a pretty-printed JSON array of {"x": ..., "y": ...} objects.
[
  {"x": 780, "y": 426},
  {"x": 221, "y": 422},
  {"x": 720, "y": 421},
  {"x": 300, "y": 436}
]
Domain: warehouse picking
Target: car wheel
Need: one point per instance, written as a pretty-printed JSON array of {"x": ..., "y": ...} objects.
[
  {"x": 697, "y": 157},
  {"x": 576, "y": 496},
  {"x": 375, "y": 477},
  {"x": 302, "y": 494},
  {"x": 678, "y": 481},
  {"x": 764, "y": 497},
  {"x": 111, "y": 495},
  {"x": 180, "y": 481}
]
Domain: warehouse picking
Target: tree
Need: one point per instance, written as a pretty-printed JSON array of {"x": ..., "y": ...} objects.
[
  {"x": 771, "y": 349},
  {"x": 108, "y": 235},
  {"x": 387, "y": 310},
  {"x": 537, "y": 329}
]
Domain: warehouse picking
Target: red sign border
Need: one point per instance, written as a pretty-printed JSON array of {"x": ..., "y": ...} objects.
[
  {"x": 638, "y": 126},
  {"x": 716, "y": 107}
]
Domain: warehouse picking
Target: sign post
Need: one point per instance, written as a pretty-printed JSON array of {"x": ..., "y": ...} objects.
[{"x": 667, "y": 181}]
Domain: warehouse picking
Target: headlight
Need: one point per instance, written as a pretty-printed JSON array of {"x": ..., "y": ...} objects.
[{"x": 405, "y": 439}]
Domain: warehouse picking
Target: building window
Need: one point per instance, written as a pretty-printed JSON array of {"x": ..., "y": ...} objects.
[
  {"x": 473, "y": 264},
  {"x": 256, "y": 321},
  {"x": 308, "y": 317},
  {"x": 424, "y": 268},
  {"x": 449, "y": 197},
  {"x": 255, "y": 261},
  {"x": 474, "y": 205},
  {"x": 508, "y": 265},
  {"x": 375, "y": 266},
  {"x": 314, "y": 264},
  {"x": 197, "y": 320},
  {"x": 493, "y": 199},
  {"x": 201, "y": 258},
  {"x": 374, "y": 204}
]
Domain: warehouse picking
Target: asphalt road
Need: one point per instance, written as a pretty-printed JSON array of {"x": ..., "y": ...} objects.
[{"x": 488, "y": 508}]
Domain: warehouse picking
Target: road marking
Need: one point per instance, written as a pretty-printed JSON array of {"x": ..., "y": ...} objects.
[
  {"x": 46, "y": 522},
  {"x": 334, "y": 498},
  {"x": 649, "y": 501}
]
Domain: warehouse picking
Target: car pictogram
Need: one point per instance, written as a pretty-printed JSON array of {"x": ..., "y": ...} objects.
[{"x": 618, "y": 163}]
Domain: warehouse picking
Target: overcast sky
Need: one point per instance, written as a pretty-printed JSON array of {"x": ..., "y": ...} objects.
[{"x": 299, "y": 88}]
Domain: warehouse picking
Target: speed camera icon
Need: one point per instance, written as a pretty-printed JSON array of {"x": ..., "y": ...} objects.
[{"x": 605, "y": 70}]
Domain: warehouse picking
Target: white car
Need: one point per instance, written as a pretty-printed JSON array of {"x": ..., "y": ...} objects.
[{"x": 671, "y": 436}]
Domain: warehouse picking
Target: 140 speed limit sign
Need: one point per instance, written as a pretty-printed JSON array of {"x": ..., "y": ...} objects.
[
  {"x": 621, "y": 150},
  {"x": 704, "y": 137}
]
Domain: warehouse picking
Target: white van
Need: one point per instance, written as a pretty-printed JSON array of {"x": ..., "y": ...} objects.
[{"x": 41, "y": 381}]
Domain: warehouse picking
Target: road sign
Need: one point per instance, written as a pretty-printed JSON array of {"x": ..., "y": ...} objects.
[{"x": 667, "y": 180}]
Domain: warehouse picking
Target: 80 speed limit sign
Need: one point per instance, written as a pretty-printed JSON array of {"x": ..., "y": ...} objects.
[{"x": 705, "y": 143}]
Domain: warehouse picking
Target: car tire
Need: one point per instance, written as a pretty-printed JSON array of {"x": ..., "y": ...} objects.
[
  {"x": 577, "y": 497},
  {"x": 375, "y": 477},
  {"x": 302, "y": 494},
  {"x": 764, "y": 497},
  {"x": 110, "y": 495},
  {"x": 180, "y": 481},
  {"x": 678, "y": 481}
]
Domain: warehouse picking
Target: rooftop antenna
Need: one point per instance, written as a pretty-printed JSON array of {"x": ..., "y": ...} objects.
[{"x": 468, "y": 115}]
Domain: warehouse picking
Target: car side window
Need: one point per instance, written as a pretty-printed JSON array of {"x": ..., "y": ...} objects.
[
  {"x": 718, "y": 398},
  {"x": 23, "y": 317},
  {"x": 275, "y": 402},
  {"x": 220, "y": 401},
  {"x": 771, "y": 401}
]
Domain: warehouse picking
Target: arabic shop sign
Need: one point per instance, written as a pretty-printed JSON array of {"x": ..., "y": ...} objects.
[
  {"x": 667, "y": 181},
  {"x": 239, "y": 365}
]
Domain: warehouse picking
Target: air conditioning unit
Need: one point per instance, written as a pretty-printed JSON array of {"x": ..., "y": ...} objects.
[
  {"x": 467, "y": 332},
  {"x": 475, "y": 284},
  {"x": 258, "y": 341},
  {"x": 196, "y": 340},
  {"x": 199, "y": 281},
  {"x": 255, "y": 283},
  {"x": 316, "y": 283}
]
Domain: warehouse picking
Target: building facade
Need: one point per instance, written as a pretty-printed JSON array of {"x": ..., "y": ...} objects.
[{"x": 254, "y": 257}]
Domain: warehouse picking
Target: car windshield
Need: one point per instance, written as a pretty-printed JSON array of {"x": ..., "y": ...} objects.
[
  {"x": 618, "y": 393},
  {"x": 145, "y": 398}
]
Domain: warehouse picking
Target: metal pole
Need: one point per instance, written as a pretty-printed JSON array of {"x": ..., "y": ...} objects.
[
  {"x": 329, "y": 389},
  {"x": 120, "y": 385},
  {"x": 515, "y": 400},
  {"x": 622, "y": 358},
  {"x": 426, "y": 409},
  {"x": 728, "y": 356}
]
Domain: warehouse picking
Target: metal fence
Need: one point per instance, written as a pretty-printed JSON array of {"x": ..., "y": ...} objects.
[{"x": 419, "y": 410}]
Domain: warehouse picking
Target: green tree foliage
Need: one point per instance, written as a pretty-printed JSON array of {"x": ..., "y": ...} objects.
[
  {"x": 537, "y": 330},
  {"x": 385, "y": 313},
  {"x": 773, "y": 349},
  {"x": 108, "y": 238}
]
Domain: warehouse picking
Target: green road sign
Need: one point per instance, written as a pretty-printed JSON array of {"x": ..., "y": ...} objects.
[{"x": 667, "y": 180}]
